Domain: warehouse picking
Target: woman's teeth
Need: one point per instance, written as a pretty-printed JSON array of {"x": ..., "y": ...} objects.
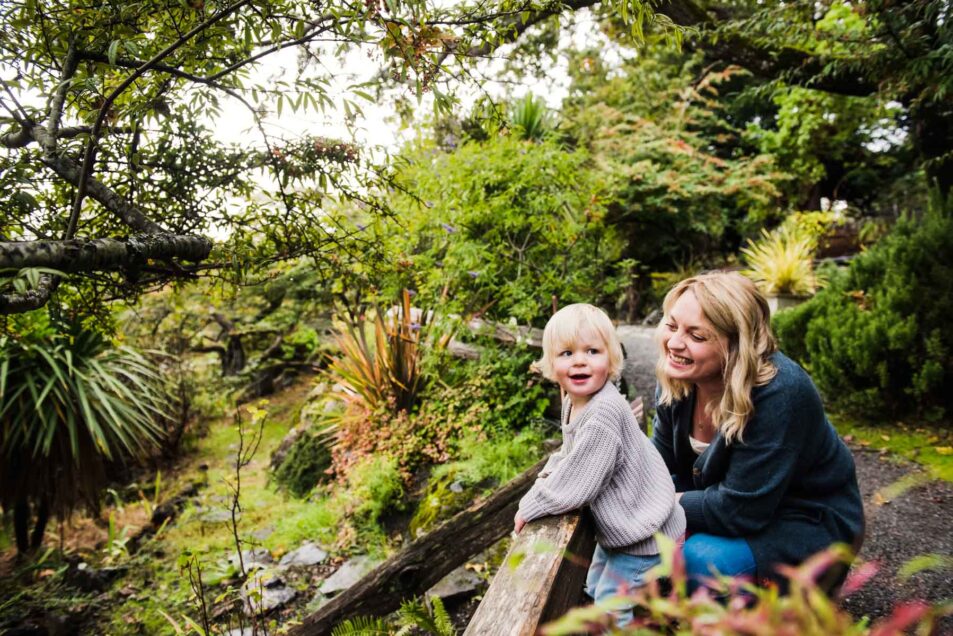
[{"x": 680, "y": 359}]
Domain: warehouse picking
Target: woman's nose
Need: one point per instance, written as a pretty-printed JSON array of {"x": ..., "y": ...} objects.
[{"x": 675, "y": 341}]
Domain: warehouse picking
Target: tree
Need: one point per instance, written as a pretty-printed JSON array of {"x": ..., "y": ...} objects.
[
  {"x": 896, "y": 50},
  {"x": 108, "y": 102},
  {"x": 684, "y": 183}
]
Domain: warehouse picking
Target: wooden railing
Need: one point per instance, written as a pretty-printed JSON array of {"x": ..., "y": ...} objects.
[{"x": 541, "y": 578}]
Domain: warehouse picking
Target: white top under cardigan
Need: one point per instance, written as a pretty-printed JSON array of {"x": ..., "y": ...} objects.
[{"x": 607, "y": 462}]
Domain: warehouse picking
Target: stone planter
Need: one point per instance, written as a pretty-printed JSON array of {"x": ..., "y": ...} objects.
[{"x": 779, "y": 302}]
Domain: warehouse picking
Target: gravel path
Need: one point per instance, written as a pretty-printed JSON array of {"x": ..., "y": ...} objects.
[{"x": 918, "y": 521}]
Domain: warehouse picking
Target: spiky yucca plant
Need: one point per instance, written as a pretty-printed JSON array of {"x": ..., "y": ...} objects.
[
  {"x": 781, "y": 262},
  {"x": 386, "y": 370},
  {"x": 530, "y": 118},
  {"x": 70, "y": 403}
]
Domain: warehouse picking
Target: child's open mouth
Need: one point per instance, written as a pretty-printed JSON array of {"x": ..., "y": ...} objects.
[{"x": 579, "y": 378}]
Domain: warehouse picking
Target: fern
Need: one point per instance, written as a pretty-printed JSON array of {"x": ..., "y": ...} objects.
[
  {"x": 432, "y": 619},
  {"x": 362, "y": 626}
]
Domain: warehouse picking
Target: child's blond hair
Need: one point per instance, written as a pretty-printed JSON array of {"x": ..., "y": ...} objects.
[{"x": 565, "y": 328}]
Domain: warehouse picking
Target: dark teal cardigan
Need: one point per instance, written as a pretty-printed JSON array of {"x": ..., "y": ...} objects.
[{"x": 790, "y": 488}]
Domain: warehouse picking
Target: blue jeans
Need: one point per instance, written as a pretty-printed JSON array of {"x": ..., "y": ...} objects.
[
  {"x": 707, "y": 555},
  {"x": 617, "y": 574}
]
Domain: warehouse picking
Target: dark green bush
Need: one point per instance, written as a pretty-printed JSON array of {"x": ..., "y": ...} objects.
[
  {"x": 877, "y": 340},
  {"x": 305, "y": 465}
]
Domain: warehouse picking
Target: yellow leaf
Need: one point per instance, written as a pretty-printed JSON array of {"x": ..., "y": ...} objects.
[
  {"x": 885, "y": 438},
  {"x": 944, "y": 450},
  {"x": 880, "y": 499}
]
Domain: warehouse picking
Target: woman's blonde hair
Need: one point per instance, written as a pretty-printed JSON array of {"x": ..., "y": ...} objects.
[
  {"x": 565, "y": 329},
  {"x": 740, "y": 315}
]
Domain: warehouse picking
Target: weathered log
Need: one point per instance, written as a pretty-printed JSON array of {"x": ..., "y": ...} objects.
[
  {"x": 552, "y": 557},
  {"x": 419, "y": 566}
]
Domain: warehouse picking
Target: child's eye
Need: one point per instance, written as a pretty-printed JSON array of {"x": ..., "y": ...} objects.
[
  {"x": 565, "y": 353},
  {"x": 592, "y": 351}
]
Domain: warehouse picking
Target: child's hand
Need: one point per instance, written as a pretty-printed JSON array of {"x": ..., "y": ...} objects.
[
  {"x": 638, "y": 409},
  {"x": 518, "y": 524}
]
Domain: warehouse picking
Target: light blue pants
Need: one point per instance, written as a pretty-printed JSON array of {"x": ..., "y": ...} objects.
[
  {"x": 709, "y": 554},
  {"x": 616, "y": 573}
]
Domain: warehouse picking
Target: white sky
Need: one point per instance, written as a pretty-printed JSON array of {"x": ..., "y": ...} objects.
[{"x": 379, "y": 127}]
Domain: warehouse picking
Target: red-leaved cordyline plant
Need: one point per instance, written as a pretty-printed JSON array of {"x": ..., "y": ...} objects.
[{"x": 729, "y": 606}]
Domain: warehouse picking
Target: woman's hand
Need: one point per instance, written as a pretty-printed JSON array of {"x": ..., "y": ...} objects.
[{"x": 518, "y": 524}]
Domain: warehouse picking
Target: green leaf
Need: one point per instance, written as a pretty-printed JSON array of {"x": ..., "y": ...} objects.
[{"x": 112, "y": 51}]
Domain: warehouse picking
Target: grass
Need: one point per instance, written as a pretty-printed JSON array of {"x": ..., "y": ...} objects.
[{"x": 928, "y": 446}]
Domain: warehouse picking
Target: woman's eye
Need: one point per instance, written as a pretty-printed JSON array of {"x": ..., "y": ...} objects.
[
  {"x": 698, "y": 338},
  {"x": 670, "y": 326}
]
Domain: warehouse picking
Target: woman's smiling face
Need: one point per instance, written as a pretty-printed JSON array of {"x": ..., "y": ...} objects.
[{"x": 694, "y": 350}]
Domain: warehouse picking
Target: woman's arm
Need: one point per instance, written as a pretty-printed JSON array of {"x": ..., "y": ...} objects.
[{"x": 760, "y": 468}]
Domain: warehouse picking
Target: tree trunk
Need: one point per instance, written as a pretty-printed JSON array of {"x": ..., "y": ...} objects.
[
  {"x": 21, "y": 523},
  {"x": 39, "y": 529},
  {"x": 419, "y": 566}
]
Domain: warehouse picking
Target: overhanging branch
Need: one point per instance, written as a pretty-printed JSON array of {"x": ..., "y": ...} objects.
[{"x": 89, "y": 255}]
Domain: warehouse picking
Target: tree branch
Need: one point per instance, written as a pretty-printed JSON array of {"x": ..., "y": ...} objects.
[
  {"x": 88, "y": 255},
  {"x": 29, "y": 300},
  {"x": 86, "y": 169},
  {"x": 59, "y": 97}
]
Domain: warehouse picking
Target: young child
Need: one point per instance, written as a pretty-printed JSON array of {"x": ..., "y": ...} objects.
[{"x": 606, "y": 461}]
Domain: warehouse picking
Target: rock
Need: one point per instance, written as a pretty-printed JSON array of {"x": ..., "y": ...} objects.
[
  {"x": 460, "y": 582},
  {"x": 263, "y": 533},
  {"x": 456, "y": 487},
  {"x": 279, "y": 454},
  {"x": 254, "y": 558},
  {"x": 88, "y": 579},
  {"x": 641, "y": 352},
  {"x": 319, "y": 389},
  {"x": 265, "y": 591},
  {"x": 348, "y": 574},
  {"x": 307, "y": 554},
  {"x": 217, "y": 516},
  {"x": 316, "y": 602}
]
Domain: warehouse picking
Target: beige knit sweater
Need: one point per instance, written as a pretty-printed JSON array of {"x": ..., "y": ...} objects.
[{"x": 607, "y": 462}]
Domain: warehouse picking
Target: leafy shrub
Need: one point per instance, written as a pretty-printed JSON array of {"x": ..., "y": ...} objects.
[
  {"x": 375, "y": 486},
  {"x": 498, "y": 227},
  {"x": 877, "y": 340},
  {"x": 743, "y": 608},
  {"x": 305, "y": 465}
]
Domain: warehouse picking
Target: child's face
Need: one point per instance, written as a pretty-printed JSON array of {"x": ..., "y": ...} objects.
[{"x": 582, "y": 367}]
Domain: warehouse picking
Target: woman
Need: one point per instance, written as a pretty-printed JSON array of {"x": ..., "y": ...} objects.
[{"x": 761, "y": 474}]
